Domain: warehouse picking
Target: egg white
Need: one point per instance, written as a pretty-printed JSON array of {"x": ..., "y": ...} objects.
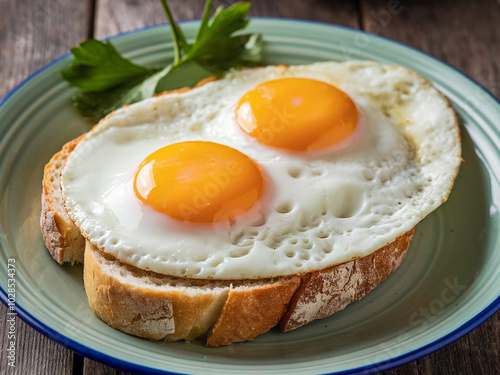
[{"x": 317, "y": 210}]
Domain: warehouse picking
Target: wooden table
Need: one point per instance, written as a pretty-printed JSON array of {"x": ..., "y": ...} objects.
[{"x": 464, "y": 34}]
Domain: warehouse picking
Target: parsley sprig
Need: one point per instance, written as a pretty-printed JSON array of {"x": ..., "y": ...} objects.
[{"x": 111, "y": 81}]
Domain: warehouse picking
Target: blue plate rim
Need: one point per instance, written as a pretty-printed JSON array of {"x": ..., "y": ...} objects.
[{"x": 369, "y": 369}]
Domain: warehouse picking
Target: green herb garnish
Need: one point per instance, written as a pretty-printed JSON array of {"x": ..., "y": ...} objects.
[{"x": 110, "y": 81}]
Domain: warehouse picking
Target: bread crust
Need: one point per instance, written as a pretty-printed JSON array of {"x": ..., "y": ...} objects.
[
  {"x": 325, "y": 292},
  {"x": 62, "y": 238},
  {"x": 154, "y": 306},
  {"x": 176, "y": 309},
  {"x": 249, "y": 313},
  {"x": 124, "y": 302}
]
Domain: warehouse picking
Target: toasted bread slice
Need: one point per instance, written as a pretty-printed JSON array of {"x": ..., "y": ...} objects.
[
  {"x": 62, "y": 238},
  {"x": 155, "y": 306}
]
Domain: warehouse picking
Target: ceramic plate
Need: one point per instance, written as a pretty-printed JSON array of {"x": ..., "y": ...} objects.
[{"x": 448, "y": 284}]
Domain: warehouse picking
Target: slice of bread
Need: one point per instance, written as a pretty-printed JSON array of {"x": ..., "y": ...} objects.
[
  {"x": 62, "y": 238},
  {"x": 161, "y": 307},
  {"x": 157, "y": 306}
]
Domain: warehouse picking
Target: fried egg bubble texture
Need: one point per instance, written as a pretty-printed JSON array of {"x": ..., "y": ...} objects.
[{"x": 306, "y": 205}]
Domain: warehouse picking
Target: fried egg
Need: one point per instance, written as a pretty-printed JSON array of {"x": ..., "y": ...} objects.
[{"x": 265, "y": 172}]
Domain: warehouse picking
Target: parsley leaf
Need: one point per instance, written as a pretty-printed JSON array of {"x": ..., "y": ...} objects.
[
  {"x": 97, "y": 104},
  {"x": 215, "y": 48},
  {"x": 111, "y": 81},
  {"x": 98, "y": 66}
]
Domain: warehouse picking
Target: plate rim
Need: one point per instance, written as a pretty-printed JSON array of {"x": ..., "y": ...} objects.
[
  {"x": 368, "y": 369},
  {"x": 121, "y": 364}
]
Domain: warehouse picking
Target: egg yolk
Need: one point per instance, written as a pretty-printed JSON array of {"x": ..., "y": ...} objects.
[
  {"x": 297, "y": 114},
  {"x": 199, "y": 182}
]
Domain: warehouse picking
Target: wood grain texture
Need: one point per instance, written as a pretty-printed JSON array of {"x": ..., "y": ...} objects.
[
  {"x": 34, "y": 33},
  {"x": 35, "y": 353},
  {"x": 93, "y": 367},
  {"x": 31, "y": 35},
  {"x": 464, "y": 34},
  {"x": 114, "y": 16}
]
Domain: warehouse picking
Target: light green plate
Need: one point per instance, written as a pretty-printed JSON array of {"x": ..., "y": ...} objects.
[{"x": 448, "y": 284}]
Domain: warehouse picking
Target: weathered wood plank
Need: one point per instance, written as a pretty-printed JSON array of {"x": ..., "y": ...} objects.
[
  {"x": 113, "y": 17},
  {"x": 34, "y": 33},
  {"x": 343, "y": 13},
  {"x": 35, "y": 353},
  {"x": 93, "y": 367},
  {"x": 31, "y": 35},
  {"x": 466, "y": 35}
]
